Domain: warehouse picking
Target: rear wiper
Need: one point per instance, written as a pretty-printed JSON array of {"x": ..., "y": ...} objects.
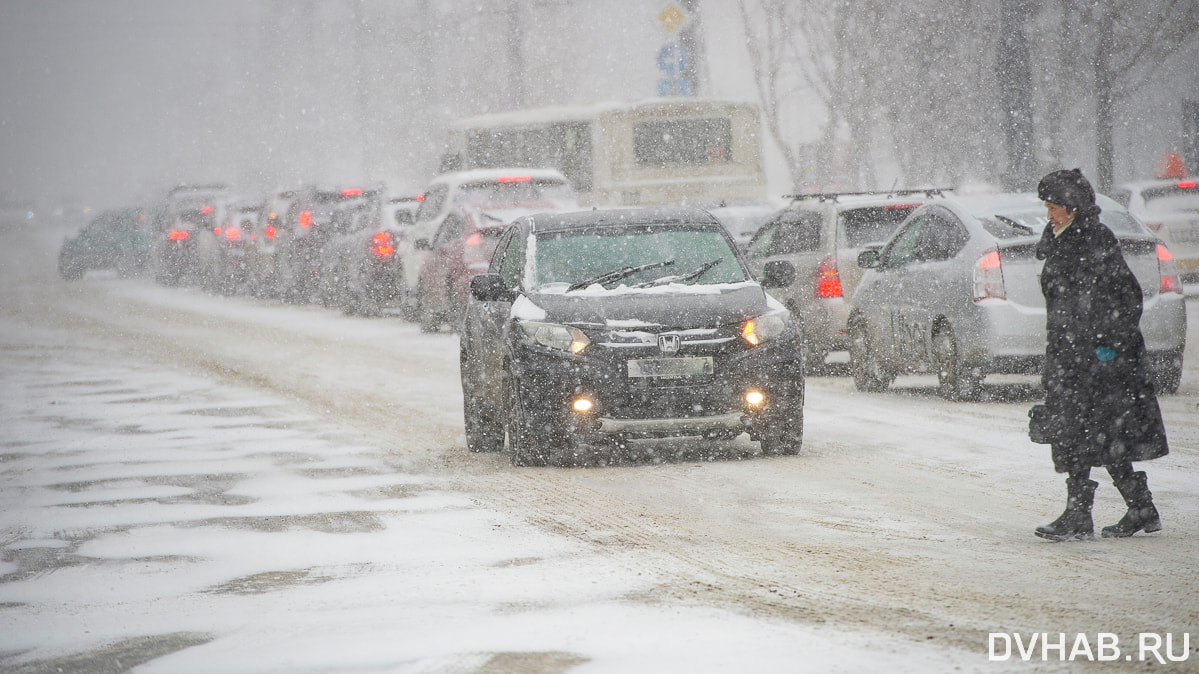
[
  {"x": 1012, "y": 223},
  {"x": 617, "y": 274},
  {"x": 703, "y": 269}
]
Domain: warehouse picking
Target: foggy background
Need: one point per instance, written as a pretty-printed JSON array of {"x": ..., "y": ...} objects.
[{"x": 108, "y": 103}]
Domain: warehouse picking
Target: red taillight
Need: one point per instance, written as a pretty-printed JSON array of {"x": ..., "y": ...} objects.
[
  {"x": 232, "y": 233},
  {"x": 216, "y": 230},
  {"x": 988, "y": 277},
  {"x": 828, "y": 281},
  {"x": 1154, "y": 226},
  {"x": 381, "y": 244},
  {"x": 270, "y": 231},
  {"x": 305, "y": 218},
  {"x": 901, "y": 205},
  {"x": 177, "y": 235},
  {"x": 1170, "y": 282},
  {"x": 351, "y": 192},
  {"x": 514, "y": 179},
  {"x": 420, "y": 197},
  {"x": 1186, "y": 184},
  {"x": 206, "y": 209},
  {"x": 474, "y": 239}
]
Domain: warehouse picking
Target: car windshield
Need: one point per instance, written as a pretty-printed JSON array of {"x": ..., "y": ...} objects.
[
  {"x": 634, "y": 256},
  {"x": 861, "y": 226}
]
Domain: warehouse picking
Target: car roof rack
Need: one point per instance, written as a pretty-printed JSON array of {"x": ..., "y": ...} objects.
[{"x": 834, "y": 196}]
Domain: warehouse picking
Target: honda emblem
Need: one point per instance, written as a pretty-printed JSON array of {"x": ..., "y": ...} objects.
[{"x": 669, "y": 343}]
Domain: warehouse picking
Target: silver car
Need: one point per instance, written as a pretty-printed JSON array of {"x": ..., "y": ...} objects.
[
  {"x": 956, "y": 292},
  {"x": 821, "y": 235}
]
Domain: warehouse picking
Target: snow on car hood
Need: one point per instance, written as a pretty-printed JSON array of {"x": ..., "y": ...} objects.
[{"x": 675, "y": 305}]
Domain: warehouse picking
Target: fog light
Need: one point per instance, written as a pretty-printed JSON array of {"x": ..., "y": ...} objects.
[
  {"x": 755, "y": 398},
  {"x": 582, "y": 405}
]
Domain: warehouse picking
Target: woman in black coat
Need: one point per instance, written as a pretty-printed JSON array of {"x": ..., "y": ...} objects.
[{"x": 1098, "y": 391}]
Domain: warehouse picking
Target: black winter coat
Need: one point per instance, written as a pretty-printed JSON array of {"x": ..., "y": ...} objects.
[{"x": 1106, "y": 412}]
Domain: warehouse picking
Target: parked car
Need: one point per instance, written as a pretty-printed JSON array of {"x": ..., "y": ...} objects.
[
  {"x": 955, "y": 292},
  {"x": 263, "y": 255},
  {"x": 1170, "y": 208},
  {"x": 534, "y": 189},
  {"x": 594, "y": 328},
  {"x": 228, "y": 269},
  {"x": 308, "y": 227},
  {"x": 742, "y": 219},
  {"x": 118, "y": 239},
  {"x": 359, "y": 270},
  {"x": 821, "y": 236},
  {"x": 461, "y": 249},
  {"x": 185, "y": 232}
]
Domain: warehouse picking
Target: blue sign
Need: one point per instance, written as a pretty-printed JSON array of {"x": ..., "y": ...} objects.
[{"x": 672, "y": 63}]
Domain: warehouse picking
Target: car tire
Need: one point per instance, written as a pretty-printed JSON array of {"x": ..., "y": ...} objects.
[
  {"x": 783, "y": 435},
  {"x": 869, "y": 375},
  {"x": 527, "y": 445},
  {"x": 484, "y": 426},
  {"x": 955, "y": 379}
]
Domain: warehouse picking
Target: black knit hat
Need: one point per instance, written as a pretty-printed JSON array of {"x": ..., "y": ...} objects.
[{"x": 1066, "y": 188}]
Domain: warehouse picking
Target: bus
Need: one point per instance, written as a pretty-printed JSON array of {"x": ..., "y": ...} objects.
[{"x": 659, "y": 151}]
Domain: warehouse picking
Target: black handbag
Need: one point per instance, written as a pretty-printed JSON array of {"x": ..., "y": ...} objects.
[{"x": 1044, "y": 426}]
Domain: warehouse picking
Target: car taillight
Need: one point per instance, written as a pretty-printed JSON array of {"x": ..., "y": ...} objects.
[
  {"x": 232, "y": 233},
  {"x": 305, "y": 218},
  {"x": 988, "y": 277},
  {"x": 1154, "y": 226},
  {"x": 216, "y": 231},
  {"x": 381, "y": 244},
  {"x": 514, "y": 179},
  {"x": 474, "y": 239},
  {"x": 270, "y": 231},
  {"x": 1170, "y": 282},
  {"x": 177, "y": 234},
  {"x": 828, "y": 281},
  {"x": 1186, "y": 184}
]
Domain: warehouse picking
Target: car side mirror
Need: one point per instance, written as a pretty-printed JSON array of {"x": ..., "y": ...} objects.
[
  {"x": 403, "y": 218},
  {"x": 868, "y": 259},
  {"x": 777, "y": 274},
  {"x": 422, "y": 244},
  {"x": 490, "y": 288}
]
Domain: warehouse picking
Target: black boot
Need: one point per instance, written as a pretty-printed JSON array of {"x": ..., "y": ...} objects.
[
  {"x": 1075, "y": 522},
  {"x": 1141, "y": 515}
]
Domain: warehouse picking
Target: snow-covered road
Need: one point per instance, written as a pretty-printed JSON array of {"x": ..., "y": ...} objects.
[{"x": 193, "y": 483}]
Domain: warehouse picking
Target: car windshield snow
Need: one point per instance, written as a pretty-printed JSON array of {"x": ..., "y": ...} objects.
[{"x": 641, "y": 256}]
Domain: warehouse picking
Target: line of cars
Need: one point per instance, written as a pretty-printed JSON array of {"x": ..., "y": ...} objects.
[{"x": 359, "y": 249}]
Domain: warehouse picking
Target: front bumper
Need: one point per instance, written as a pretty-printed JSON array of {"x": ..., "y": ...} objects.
[{"x": 644, "y": 407}]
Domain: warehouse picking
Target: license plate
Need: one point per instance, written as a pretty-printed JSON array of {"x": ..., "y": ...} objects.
[{"x": 671, "y": 367}]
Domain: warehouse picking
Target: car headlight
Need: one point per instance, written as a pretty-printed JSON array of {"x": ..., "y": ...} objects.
[
  {"x": 555, "y": 336},
  {"x": 764, "y": 328}
]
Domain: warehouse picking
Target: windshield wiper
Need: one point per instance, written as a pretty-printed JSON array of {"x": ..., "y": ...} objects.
[
  {"x": 1015, "y": 225},
  {"x": 617, "y": 274},
  {"x": 684, "y": 278}
]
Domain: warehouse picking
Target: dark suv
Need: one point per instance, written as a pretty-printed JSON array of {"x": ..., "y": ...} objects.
[{"x": 597, "y": 327}]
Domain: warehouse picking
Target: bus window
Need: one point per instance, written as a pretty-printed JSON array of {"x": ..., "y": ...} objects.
[{"x": 690, "y": 142}]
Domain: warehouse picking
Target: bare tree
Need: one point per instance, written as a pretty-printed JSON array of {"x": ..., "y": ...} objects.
[{"x": 1101, "y": 53}]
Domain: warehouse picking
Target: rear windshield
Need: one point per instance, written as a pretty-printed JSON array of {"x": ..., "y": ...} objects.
[
  {"x": 1172, "y": 200},
  {"x": 1014, "y": 224},
  {"x": 515, "y": 191},
  {"x": 875, "y": 224},
  {"x": 573, "y": 256}
]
